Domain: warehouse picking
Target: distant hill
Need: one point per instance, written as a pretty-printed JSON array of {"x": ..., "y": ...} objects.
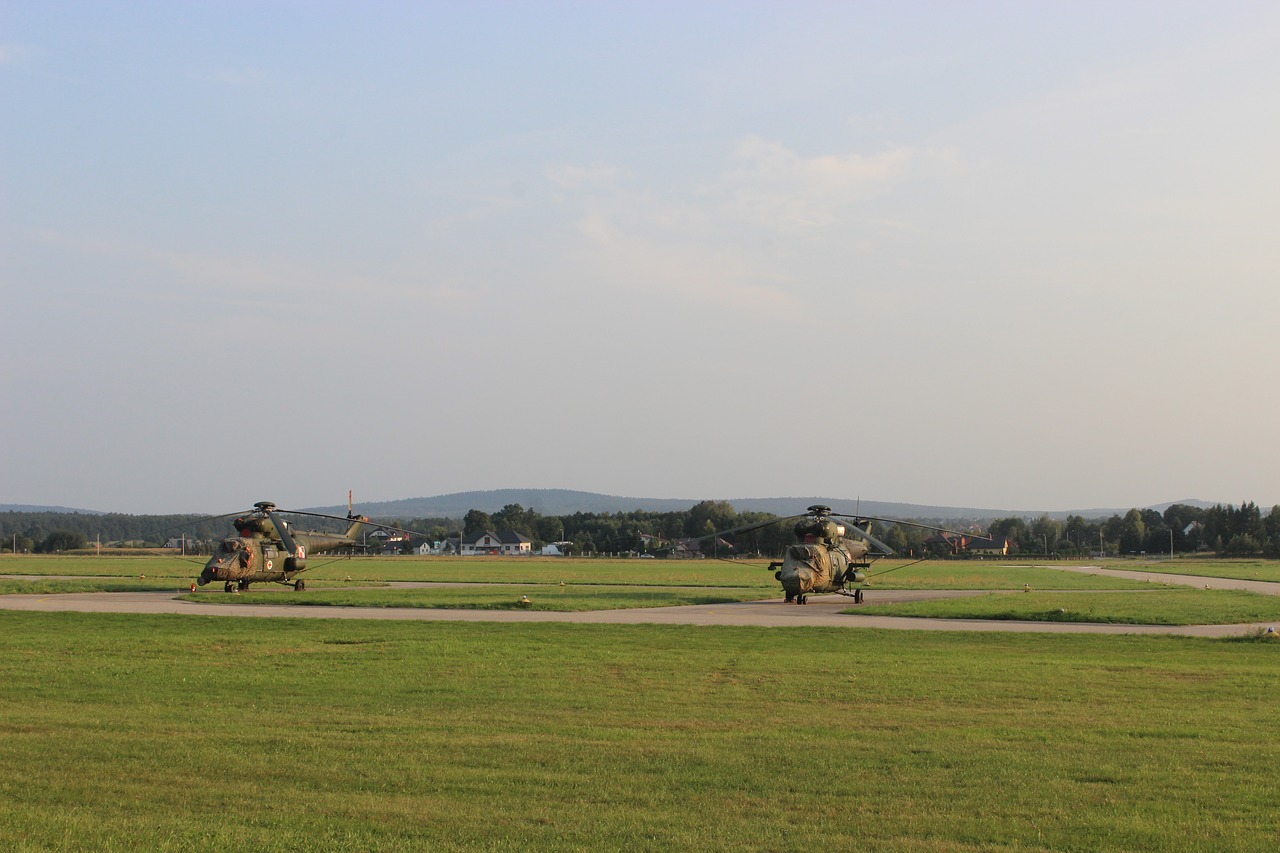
[
  {"x": 1107, "y": 513},
  {"x": 567, "y": 502},
  {"x": 31, "y": 508},
  {"x": 543, "y": 501}
]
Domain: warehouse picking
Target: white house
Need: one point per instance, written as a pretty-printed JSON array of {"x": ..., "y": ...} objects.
[
  {"x": 486, "y": 542},
  {"x": 446, "y": 546}
]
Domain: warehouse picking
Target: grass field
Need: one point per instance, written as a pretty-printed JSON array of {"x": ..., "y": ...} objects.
[
  {"x": 969, "y": 574},
  {"x": 699, "y": 573},
  {"x": 495, "y": 597},
  {"x": 1155, "y": 606},
  {"x": 51, "y": 586},
  {"x": 569, "y": 585},
  {"x": 1242, "y": 569},
  {"x": 190, "y": 733},
  {"x": 124, "y": 567},
  {"x": 664, "y": 572},
  {"x": 888, "y": 574}
]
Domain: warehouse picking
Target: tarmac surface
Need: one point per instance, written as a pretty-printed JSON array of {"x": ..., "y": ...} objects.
[{"x": 821, "y": 611}]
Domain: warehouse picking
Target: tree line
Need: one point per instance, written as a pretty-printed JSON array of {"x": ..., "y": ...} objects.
[
  {"x": 588, "y": 532},
  {"x": 1222, "y": 529},
  {"x": 636, "y": 531}
]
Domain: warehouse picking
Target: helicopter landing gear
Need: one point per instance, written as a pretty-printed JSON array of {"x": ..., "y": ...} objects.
[
  {"x": 299, "y": 586},
  {"x": 801, "y": 598},
  {"x": 228, "y": 587}
]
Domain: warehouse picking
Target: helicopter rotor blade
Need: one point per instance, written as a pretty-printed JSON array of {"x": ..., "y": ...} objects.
[
  {"x": 746, "y": 528},
  {"x": 349, "y": 520},
  {"x": 199, "y": 521},
  {"x": 282, "y": 530},
  {"x": 863, "y": 534},
  {"x": 816, "y": 511},
  {"x": 860, "y": 518},
  {"x": 315, "y": 514}
]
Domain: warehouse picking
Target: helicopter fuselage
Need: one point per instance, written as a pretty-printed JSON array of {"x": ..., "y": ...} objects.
[
  {"x": 822, "y": 560},
  {"x": 259, "y": 554},
  {"x": 821, "y": 567}
]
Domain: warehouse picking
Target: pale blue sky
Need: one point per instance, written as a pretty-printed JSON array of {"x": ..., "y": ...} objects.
[{"x": 1014, "y": 255}]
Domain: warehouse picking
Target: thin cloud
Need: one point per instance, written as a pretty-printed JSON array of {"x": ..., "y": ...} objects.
[
  {"x": 247, "y": 282},
  {"x": 570, "y": 177},
  {"x": 11, "y": 54},
  {"x": 241, "y": 78},
  {"x": 772, "y": 186},
  {"x": 651, "y": 246}
]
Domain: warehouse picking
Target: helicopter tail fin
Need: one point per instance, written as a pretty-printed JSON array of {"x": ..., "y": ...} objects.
[
  {"x": 357, "y": 521},
  {"x": 357, "y": 524}
]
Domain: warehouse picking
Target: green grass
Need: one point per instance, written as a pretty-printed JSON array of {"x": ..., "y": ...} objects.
[
  {"x": 959, "y": 574},
  {"x": 81, "y": 566},
  {"x": 698, "y": 573},
  {"x": 517, "y": 570},
  {"x": 612, "y": 584},
  {"x": 191, "y": 733},
  {"x": 986, "y": 574},
  {"x": 1241, "y": 569},
  {"x": 887, "y": 574},
  {"x": 53, "y": 586},
  {"x": 1156, "y": 606},
  {"x": 485, "y": 597}
]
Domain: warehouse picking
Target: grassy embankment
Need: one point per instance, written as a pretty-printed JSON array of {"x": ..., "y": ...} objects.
[{"x": 190, "y": 733}]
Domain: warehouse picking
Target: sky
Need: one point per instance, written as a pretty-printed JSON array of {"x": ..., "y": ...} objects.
[{"x": 1014, "y": 255}]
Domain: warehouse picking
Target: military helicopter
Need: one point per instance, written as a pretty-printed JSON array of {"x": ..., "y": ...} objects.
[
  {"x": 268, "y": 549},
  {"x": 825, "y": 558}
]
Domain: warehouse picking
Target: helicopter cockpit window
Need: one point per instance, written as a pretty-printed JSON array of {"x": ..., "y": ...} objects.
[{"x": 230, "y": 546}]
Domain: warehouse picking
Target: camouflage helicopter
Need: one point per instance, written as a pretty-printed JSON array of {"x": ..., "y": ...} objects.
[
  {"x": 825, "y": 557},
  {"x": 269, "y": 549}
]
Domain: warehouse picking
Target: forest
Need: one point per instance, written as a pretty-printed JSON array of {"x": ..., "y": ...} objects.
[{"x": 1226, "y": 530}]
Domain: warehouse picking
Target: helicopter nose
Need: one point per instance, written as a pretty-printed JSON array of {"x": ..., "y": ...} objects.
[
  {"x": 795, "y": 580},
  {"x": 799, "y": 581}
]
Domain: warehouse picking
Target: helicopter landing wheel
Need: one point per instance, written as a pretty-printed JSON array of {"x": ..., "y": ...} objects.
[
  {"x": 857, "y": 596},
  {"x": 228, "y": 587},
  {"x": 299, "y": 586},
  {"x": 800, "y": 599}
]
